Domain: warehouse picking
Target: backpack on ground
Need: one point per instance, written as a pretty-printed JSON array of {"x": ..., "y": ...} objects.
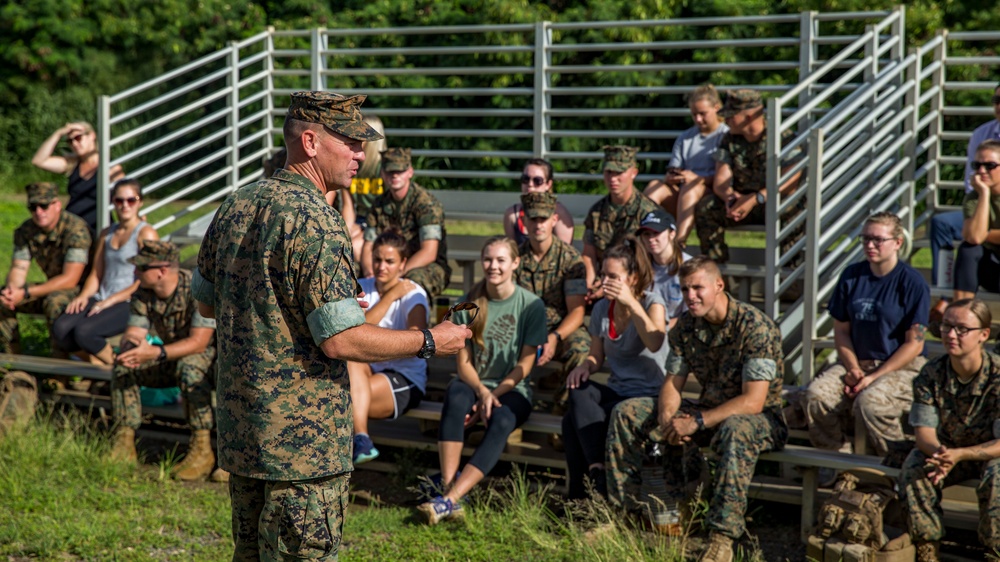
[
  {"x": 855, "y": 523},
  {"x": 18, "y": 398}
]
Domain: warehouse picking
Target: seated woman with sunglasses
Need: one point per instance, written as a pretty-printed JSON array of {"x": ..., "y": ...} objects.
[
  {"x": 978, "y": 261},
  {"x": 508, "y": 325},
  {"x": 536, "y": 177},
  {"x": 101, "y": 309},
  {"x": 956, "y": 398},
  {"x": 628, "y": 330},
  {"x": 880, "y": 309},
  {"x": 388, "y": 389}
]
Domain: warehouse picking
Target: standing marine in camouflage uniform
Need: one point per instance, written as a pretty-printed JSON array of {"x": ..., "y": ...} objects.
[
  {"x": 615, "y": 216},
  {"x": 740, "y": 185},
  {"x": 418, "y": 216},
  {"x": 275, "y": 269},
  {"x": 553, "y": 270},
  {"x": 164, "y": 306},
  {"x": 734, "y": 351},
  {"x": 59, "y": 242},
  {"x": 956, "y": 420}
]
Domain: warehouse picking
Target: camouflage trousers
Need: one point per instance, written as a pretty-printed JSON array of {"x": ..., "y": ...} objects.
[
  {"x": 51, "y": 306},
  {"x": 880, "y": 406},
  {"x": 288, "y": 520},
  {"x": 923, "y": 499},
  {"x": 711, "y": 223},
  {"x": 433, "y": 278},
  {"x": 572, "y": 352},
  {"x": 194, "y": 374},
  {"x": 735, "y": 445}
]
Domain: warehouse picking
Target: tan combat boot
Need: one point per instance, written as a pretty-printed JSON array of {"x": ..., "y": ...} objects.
[
  {"x": 219, "y": 475},
  {"x": 123, "y": 446},
  {"x": 720, "y": 549},
  {"x": 200, "y": 459},
  {"x": 927, "y": 552}
]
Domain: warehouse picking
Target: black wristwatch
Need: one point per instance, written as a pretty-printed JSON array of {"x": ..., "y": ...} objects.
[
  {"x": 760, "y": 198},
  {"x": 427, "y": 351},
  {"x": 163, "y": 354},
  {"x": 699, "y": 420},
  {"x": 558, "y": 336},
  {"x": 27, "y": 293}
]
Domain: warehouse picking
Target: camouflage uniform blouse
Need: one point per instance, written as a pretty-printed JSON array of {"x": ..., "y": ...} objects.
[
  {"x": 748, "y": 160},
  {"x": 68, "y": 242},
  {"x": 276, "y": 264},
  {"x": 745, "y": 347},
  {"x": 170, "y": 319},
  {"x": 607, "y": 224},
  {"x": 419, "y": 216},
  {"x": 558, "y": 275},
  {"x": 963, "y": 414}
]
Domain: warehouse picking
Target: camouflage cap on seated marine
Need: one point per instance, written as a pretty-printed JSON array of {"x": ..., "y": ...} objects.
[
  {"x": 539, "y": 204},
  {"x": 42, "y": 192},
  {"x": 341, "y": 114},
  {"x": 619, "y": 157},
  {"x": 738, "y": 100},
  {"x": 396, "y": 159},
  {"x": 156, "y": 251}
]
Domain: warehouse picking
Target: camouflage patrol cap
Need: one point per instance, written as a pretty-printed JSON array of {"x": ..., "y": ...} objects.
[
  {"x": 539, "y": 204},
  {"x": 42, "y": 192},
  {"x": 396, "y": 159},
  {"x": 156, "y": 251},
  {"x": 738, "y": 100},
  {"x": 338, "y": 113},
  {"x": 619, "y": 157}
]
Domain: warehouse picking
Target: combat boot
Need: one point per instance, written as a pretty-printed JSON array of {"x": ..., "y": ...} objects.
[
  {"x": 123, "y": 446},
  {"x": 720, "y": 549},
  {"x": 200, "y": 459},
  {"x": 219, "y": 475},
  {"x": 927, "y": 552}
]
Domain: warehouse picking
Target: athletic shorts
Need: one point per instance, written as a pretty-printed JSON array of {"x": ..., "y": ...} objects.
[{"x": 405, "y": 394}]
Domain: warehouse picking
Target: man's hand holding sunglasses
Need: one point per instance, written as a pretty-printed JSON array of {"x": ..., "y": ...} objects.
[{"x": 450, "y": 338}]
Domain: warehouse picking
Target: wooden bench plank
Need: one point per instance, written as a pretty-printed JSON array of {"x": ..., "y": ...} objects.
[{"x": 57, "y": 367}]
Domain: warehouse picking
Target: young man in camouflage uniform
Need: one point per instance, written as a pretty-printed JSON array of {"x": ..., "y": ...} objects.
[
  {"x": 740, "y": 186},
  {"x": 734, "y": 351},
  {"x": 163, "y": 305},
  {"x": 59, "y": 242},
  {"x": 615, "y": 215},
  {"x": 418, "y": 216},
  {"x": 275, "y": 268},
  {"x": 553, "y": 270}
]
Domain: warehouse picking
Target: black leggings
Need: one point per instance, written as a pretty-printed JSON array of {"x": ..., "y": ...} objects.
[
  {"x": 585, "y": 431},
  {"x": 976, "y": 266},
  {"x": 459, "y": 400},
  {"x": 73, "y": 332}
]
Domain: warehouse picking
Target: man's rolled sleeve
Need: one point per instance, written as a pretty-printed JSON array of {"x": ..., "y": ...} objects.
[
  {"x": 925, "y": 415},
  {"x": 675, "y": 365},
  {"x": 760, "y": 369},
  {"x": 22, "y": 253},
  {"x": 370, "y": 234},
  {"x": 573, "y": 287},
  {"x": 76, "y": 255},
  {"x": 721, "y": 154},
  {"x": 333, "y": 318},
  {"x": 138, "y": 321},
  {"x": 199, "y": 321},
  {"x": 431, "y": 232},
  {"x": 202, "y": 289}
]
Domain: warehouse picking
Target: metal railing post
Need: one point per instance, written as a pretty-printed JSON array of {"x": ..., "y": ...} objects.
[
  {"x": 773, "y": 251},
  {"x": 542, "y": 99},
  {"x": 871, "y": 53},
  {"x": 910, "y": 126},
  {"x": 269, "y": 86},
  {"x": 938, "y": 79},
  {"x": 814, "y": 207},
  {"x": 104, "y": 162},
  {"x": 318, "y": 44},
  {"x": 234, "y": 115},
  {"x": 808, "y": 52}
]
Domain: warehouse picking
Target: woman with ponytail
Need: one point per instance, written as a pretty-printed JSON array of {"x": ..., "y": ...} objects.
[
  {"x": 628, "y": 331},
  {"x": 492, "y": 383}
]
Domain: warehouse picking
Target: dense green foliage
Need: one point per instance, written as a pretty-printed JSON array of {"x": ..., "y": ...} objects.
[{"x": 58, "y": 56}]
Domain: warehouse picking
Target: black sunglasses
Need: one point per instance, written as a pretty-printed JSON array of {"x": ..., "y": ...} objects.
[
  {"x": 990, "y": 166},
  {"x": 123, "y": 200},
  {"x": 34, "y": 206},
  {"x": 460, "y": 307},
  {"x": 537, "y": 181},
  {"x": 148, "y": 266}
]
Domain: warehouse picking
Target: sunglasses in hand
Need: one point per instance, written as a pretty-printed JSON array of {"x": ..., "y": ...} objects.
[{"x": 462, "y": 306}]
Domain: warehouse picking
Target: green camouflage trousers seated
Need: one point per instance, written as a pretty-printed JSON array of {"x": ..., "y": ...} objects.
[
  {"x": 194, "y": 374},
  {"x": 736, "y": 444},
  {"x": 51, "y": 306}
]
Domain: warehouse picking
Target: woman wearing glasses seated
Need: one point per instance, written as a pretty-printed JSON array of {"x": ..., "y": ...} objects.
[
  {"x": 101, "y": 309},
  {"x": 388, "y": 389},
  {"x": 978, "y": 261},
  {"x": 536, "y": 177},
  {"x": 508, "y": 325},
  {"x": 956, "y": 400},
  {"x": 628, "y": 332},
  {"x": 880, "y": 309},
  {"x": 80, "y": 165}
]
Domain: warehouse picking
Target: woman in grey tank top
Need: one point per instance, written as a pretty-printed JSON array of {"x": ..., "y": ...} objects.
[{"x": 102, "y": 308}]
